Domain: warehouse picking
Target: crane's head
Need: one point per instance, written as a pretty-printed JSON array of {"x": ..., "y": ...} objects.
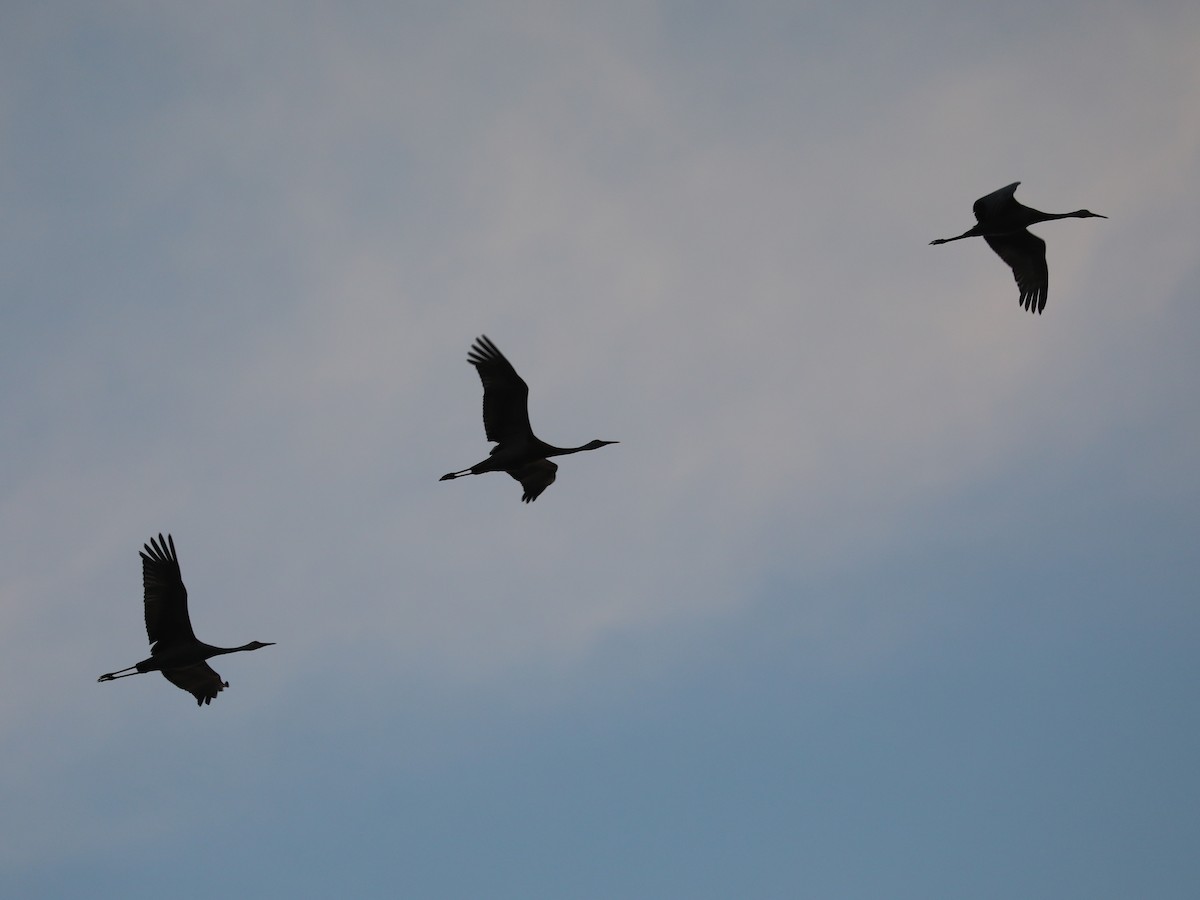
[
  {"x": 258, "y": 645},
  {"x": 1087, "y": 214},
  {"x": 596, "y": 444}
]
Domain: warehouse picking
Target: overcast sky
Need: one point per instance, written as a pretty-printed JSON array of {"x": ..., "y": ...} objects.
[{"x": 889, "y": 589}]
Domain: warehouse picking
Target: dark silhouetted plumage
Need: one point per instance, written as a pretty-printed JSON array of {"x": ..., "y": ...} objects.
[
  {"x": 174, "y": 650},
  {"x": 506, "y": 421},
  {"x": 1001, "y": 221}
]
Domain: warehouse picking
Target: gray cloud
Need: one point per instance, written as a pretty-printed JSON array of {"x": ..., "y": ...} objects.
[{"x": 249, "y": 262}]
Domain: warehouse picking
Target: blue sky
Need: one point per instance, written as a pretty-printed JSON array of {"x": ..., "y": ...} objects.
[{"x": 889, "y": 589}]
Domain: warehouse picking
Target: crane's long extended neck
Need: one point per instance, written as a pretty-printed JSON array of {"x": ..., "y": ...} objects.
[
  {"x": 549, "y": 450},
  {"x": 1077, "y": 214},
  {"x": 1034, "y": 216},
  {"x": 253, "y": 645}
]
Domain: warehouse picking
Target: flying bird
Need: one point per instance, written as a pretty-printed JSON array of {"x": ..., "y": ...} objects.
[
  {"x": 174, "y": 650},
  {"x": 1001, "y": 221},
  {"x": 518, "y": 450}
]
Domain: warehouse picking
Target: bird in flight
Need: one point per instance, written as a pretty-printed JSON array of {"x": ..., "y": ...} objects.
[
  {"x": 518, "y": 451},
  {"x": 174, "y": 650},
  {"x": 1002, "y": 222}
]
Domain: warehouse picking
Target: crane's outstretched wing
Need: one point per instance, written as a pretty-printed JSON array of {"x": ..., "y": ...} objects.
[
  {"x": 166, "y": 598},
  {"x": 535, "y": 477},
  {"x": 1025, "y": 253},
  {"x": 505, "y": 394},
  {"x": 198, "y": 679},
  {"x": 996, "y": 203}
]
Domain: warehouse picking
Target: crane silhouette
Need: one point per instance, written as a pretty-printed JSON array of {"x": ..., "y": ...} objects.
[
  {"x": 518, "y": 451},
  {"x": 174, "y": 650},
  {"x": 1001, "y": 221}
]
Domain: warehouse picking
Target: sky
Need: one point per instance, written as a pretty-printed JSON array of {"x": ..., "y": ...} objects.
[{"x": 888, "y": 589}]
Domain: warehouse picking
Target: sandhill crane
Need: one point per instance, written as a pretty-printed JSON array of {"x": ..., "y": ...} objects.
[
  {"x": 174, "y": 650},
  {"x": 1001, "y": 221},
  {"x": 518, "y": 451}
]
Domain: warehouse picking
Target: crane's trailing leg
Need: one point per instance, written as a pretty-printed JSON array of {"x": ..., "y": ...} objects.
[
  {"x": 120, "y": 673},
  {"x": 972, "y": 232}
]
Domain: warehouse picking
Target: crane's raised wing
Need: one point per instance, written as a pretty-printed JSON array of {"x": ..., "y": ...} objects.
[
  {"x": 505, "y": 394},
  {"x": 1025, "y": 253},
  {"x": 996, "y": 203},
  {"x": 535, "y": 477},
  {"x": 165, "y": 596},
  {"x": 198, "y": 679}
]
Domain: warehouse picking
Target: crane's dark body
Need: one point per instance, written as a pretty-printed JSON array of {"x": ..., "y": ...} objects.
[
  {"x": 518, "y": 451},
  {"x": 1002, "y": 221},
  {"x": 174, "y": 649}
]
